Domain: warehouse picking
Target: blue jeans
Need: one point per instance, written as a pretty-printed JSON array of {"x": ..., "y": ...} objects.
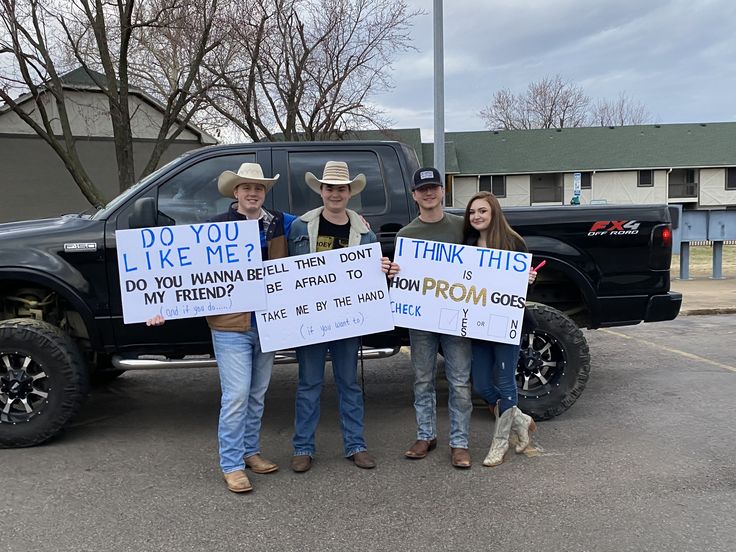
[
  {"x": 245, "y": 372},
  {"x": 494, "y": 372},
  {"x": 344, "y": 353},
  {"x": 457, "y": 353}
]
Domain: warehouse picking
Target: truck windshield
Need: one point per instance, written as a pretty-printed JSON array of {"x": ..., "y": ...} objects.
[{"x": 122, "y": 198}]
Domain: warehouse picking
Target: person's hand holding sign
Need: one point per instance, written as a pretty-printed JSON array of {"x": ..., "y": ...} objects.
[
  {"x": 157, "y": 320},
  {"x": 389, "y": 268}
]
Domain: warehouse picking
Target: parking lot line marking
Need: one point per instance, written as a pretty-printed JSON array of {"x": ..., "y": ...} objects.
[{"x": 691, "y": 356}]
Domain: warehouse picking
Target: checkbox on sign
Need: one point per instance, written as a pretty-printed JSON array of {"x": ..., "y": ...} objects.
[
  {"x": 497, "y": 326},
  {"x": 449, "y": 319}
]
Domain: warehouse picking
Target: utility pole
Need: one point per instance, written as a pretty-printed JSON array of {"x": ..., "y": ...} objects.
[{"x": 439, "y": 91}]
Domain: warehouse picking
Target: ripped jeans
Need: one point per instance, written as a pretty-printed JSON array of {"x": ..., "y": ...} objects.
[{"x": 493, "y": 371}]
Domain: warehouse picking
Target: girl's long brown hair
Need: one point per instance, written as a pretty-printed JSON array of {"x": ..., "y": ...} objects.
[{"x": 500, "y": 233}]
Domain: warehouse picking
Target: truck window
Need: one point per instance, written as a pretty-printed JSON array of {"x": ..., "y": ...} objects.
[
  {"x": 192, "y": 197},
  {"x": 301, "y": 199}
]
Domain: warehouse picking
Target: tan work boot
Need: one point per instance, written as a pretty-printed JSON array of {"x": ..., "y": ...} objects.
[
  {"x": 258, "y": 464},
  {"x": 237, "y": 481}
]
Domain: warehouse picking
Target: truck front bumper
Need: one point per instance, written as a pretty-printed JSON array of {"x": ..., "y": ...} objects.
[{"x": 663, "y": 307}]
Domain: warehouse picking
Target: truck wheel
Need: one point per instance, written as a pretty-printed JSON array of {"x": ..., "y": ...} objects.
[
  {"x": 43, "y": 381},
  {"x": 554, "y": 364}
]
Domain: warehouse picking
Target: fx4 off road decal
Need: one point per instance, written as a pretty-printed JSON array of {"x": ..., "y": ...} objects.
[{"x": 614, "y": 228}]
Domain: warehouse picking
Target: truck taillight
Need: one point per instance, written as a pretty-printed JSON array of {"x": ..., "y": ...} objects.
[{"x": 660, "y": 247}]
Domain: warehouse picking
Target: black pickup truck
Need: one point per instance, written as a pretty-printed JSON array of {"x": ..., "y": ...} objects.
[{"x": 61, "y": 323}]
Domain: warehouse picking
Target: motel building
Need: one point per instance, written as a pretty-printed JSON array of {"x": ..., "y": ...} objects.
[{"x": 692, "y": 165}]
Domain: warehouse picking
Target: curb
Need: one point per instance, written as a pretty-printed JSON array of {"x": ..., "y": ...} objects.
[{"x": 716, "y": 310}]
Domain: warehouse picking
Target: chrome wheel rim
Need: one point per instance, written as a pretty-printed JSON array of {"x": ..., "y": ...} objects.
[
  {"x": 541, "y": 366},
  {"x": 24, "y": 387}
]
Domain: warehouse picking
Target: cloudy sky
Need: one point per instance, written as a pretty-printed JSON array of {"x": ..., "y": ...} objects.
[{"x": 677, "y": 57}]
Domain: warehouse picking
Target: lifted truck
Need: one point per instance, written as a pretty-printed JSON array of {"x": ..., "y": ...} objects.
[{"x": 61, "y": 323}]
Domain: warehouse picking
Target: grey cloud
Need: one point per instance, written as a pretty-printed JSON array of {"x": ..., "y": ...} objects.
[{"x": 677, "y": 57}]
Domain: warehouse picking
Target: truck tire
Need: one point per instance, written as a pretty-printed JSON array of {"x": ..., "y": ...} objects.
[
  {"x": 554, "y": 364},
  {"x": 43, "y": 381}
]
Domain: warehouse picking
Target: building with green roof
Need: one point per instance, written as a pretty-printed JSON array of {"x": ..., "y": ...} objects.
[{"x": 689, "y": 164}]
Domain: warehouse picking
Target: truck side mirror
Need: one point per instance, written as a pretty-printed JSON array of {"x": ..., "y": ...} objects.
[{"x": 144, "y": 213}]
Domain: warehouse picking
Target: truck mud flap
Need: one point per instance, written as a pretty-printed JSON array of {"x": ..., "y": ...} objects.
[{"x": 663, "y": 307}]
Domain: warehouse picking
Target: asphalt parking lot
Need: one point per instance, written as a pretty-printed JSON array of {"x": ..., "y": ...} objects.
[{"x": 645, "y": 460}]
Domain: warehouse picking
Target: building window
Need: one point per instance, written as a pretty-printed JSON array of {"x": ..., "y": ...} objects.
[
  {"x": 646, "y": 179},
  {"x": 683, "y": 183},
  {"x": 546, "y": 188},
  {"x": 496, "y": 184},
  {"x": 586, "y": 181},
  {"x": 731, "y": 178}
]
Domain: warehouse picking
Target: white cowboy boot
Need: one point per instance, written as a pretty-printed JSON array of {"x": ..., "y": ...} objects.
[
  {"x": 522, "y": 426},
  {"x": 500, "y": 444}
]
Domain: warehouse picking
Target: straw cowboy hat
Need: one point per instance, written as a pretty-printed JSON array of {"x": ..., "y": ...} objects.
[
  {"x": 248, "y": 172},
  {"x": 336, "y": 173}
]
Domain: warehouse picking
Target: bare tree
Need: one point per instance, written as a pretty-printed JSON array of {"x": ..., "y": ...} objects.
[
  {"x": 619, "y": 112},
  {"x": 304, "y": 69},
  {"x": 507, "y": 112},
  {"x": 45, "y": 38},
  {"x": 550, "y": 102},
  {"x": 554, "y": 103}
]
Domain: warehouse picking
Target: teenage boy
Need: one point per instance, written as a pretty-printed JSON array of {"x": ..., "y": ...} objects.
[
  {"x": 436, "y": 225},
  {"x": 331, "y": 226},
  {"x": 245, "y": 370}
]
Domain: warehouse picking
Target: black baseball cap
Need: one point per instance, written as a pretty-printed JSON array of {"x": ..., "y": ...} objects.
[{"x": 426, "y": 176}]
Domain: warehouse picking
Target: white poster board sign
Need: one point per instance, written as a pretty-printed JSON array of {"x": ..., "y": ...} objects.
[
  {"x": 190, "y": 270},
  {"x": 324, "y": 297},
  {"x": 460, "y": 289}
]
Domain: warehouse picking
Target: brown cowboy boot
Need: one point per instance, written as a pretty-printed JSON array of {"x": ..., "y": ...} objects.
[
  {"x": 258, "y": 464},
  {"x": 237, "y": 481},
  {"x": 420, "y": 449}
]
